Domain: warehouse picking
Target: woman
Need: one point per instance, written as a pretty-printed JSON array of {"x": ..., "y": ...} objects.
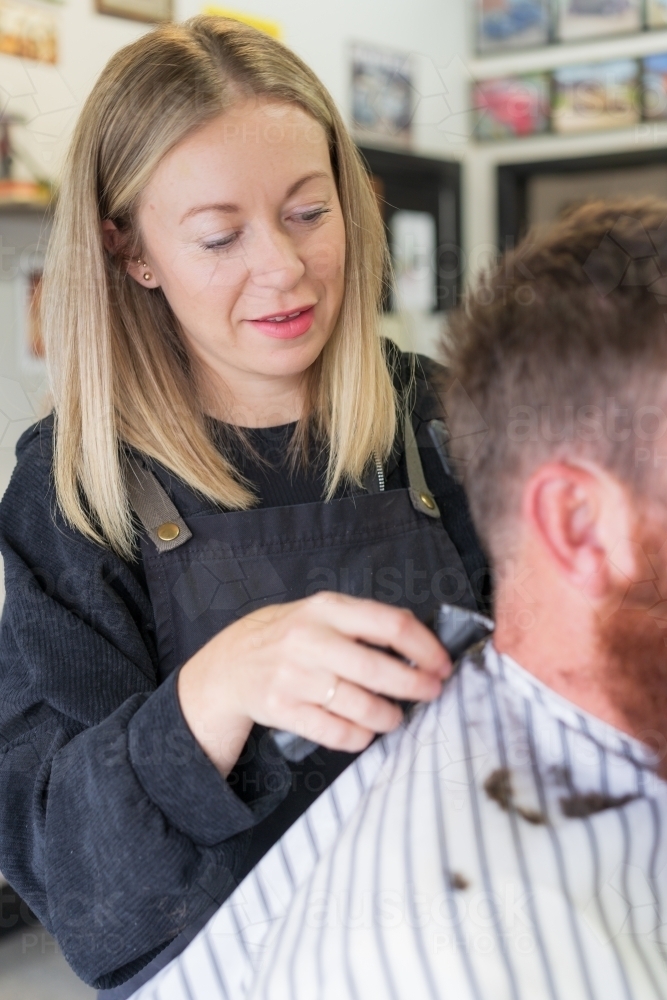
[{"x": 225, "y": 462}]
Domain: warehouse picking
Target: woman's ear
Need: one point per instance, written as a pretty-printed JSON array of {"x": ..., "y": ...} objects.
[
  {"x": 111, "y": 237},
  {"x": 137, "y": 267}
]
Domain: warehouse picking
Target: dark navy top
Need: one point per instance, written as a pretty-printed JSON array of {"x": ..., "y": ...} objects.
[{"x": 95, "y": 810}]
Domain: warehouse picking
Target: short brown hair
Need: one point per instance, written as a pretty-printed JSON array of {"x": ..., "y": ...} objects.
[{"x": 561, "y": 349}]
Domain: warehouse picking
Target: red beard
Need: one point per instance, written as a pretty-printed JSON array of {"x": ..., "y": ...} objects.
[{"x": 633, "y": 642}]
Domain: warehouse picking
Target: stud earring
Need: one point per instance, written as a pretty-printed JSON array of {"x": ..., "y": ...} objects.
[{"x": 147, "y": 275}]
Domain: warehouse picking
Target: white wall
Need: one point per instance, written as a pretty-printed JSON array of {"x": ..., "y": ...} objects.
[
  {"x": 432, "y": 30},
  {"x": 50, "y": 97},
  {"x": 435, "y": 32}
]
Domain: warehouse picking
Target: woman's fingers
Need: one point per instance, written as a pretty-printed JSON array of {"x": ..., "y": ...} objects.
[
  {"x": 321, "y": 648},
  {"x": 365, "y": 709},
  {"x": 382, "y": 625},
  {"x": 341, "y": 697},
  {"x": 332, "y": 731},
  {"x": 277, "y": 665}
]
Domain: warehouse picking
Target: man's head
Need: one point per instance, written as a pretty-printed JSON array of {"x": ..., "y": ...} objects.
[{"x": 562, "y": 353}]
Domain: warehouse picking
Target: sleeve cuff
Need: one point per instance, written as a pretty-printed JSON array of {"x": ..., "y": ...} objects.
[{"x": 186, "y": 786}]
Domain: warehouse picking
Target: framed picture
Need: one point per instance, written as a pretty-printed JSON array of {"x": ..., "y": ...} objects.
[
  {"x": 150, "y": 11},
  {"x": 413, "y": 240},
  {"x": 538, "y": 192},
  {"x": 512, "y": 107},
  {"x": 654, "y": 87},
  {"x": 28, "y": 31},
  {"x": 596, "y": 96},
  {"x": 420, "y": 202},
  {"x": 382, "y": 95},
  {"x": 511, "y": 24},
  {"x": 595, "y": 18}
]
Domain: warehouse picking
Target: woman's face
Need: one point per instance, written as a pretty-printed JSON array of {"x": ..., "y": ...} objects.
[{"x": 242, "y": 229}]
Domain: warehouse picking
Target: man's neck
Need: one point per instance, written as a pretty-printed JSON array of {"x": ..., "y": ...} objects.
[{"x": 557, "y": 643}]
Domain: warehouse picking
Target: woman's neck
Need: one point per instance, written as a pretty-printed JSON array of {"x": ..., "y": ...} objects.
[{"x": 256, "y": 400}]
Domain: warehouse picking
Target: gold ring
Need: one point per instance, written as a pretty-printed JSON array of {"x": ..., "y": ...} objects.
[{"x": 331, "y": 693}]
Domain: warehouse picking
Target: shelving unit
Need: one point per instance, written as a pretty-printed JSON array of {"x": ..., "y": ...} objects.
[
  {"x": 518, "y": 61},
  {"x": 494, "y": 173}
]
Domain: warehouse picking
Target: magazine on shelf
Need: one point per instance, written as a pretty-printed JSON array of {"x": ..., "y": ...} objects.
[
  {"x": 596, "y": 96},
  {"x": 511, "y": 24},
  {"x": 654, "y": 86},
  {"x": 512, "y": 107},
  {"x": 595, "y": 18}
]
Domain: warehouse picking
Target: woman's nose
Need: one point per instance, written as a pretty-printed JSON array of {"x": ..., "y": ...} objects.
[{"x": 274, "y": 261}]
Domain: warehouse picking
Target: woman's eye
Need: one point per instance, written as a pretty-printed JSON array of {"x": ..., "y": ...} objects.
[
  {"x": 312, "y": 215},
  {"x": 222, "y": 243}
]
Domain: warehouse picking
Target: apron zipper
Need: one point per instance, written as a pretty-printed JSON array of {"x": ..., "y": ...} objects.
[{"x": 380, "y": 472}]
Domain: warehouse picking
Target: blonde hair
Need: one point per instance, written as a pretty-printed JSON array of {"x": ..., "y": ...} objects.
[{"x": 120, "y": 373}]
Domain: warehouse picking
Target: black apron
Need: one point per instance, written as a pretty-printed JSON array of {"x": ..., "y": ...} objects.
[{"x": 206, "y": 573}]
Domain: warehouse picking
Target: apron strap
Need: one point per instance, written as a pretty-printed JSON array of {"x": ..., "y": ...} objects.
[
  {"x": 150, "y": 502},
  {"x": 167, "y": 529},
  {"x": 421, "y": 496}
]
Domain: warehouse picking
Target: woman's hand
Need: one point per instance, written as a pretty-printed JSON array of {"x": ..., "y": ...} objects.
[{"x": 304, "y": 667}]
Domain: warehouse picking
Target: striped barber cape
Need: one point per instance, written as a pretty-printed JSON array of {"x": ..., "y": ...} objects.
[{"x": 502, "y": 844}]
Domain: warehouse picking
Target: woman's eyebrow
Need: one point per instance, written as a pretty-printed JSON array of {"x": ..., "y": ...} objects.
[
  {"x": 304, "y": 180},
  {"x": 215, "y": 207},
  {"x": 230, "y": 207}
]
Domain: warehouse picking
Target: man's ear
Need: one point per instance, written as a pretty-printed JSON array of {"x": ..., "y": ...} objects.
[
  {"x": 137, "y": 268},
  {"x": 580, "y": 515}
]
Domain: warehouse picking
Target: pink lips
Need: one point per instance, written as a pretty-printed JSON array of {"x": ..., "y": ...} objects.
[{"x": 286, "y": 326}]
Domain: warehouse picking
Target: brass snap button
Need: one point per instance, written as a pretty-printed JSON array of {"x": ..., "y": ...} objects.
[
  {"x": 427, "y": 501},
  {"x": 168, "y": 531}
]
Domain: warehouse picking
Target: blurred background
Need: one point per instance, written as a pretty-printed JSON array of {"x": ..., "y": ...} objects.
[{"x": 476, "y": 119}]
